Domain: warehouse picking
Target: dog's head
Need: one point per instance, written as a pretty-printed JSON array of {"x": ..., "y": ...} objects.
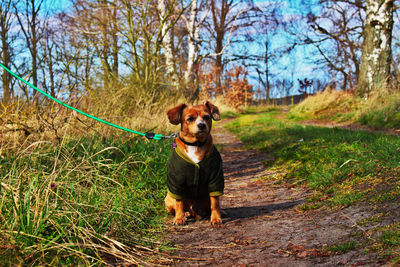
[{"x": 196, "y": 121}]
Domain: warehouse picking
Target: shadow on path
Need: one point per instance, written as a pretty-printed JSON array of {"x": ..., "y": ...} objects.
[{"x": 248, "y": 212}]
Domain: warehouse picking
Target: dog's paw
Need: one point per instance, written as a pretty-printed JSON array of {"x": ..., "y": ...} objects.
[
  {"x": 179, "y": 221},
  {"x": 216, "y": 222}
]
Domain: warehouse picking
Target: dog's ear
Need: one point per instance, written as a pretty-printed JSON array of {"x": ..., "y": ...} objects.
[
  {"x": 175, "y": 114},
  {"x": 214, "y": 111}
]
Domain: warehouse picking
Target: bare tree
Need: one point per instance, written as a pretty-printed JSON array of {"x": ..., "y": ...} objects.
[
  {"x": 31, "y": 26},
  {"x": 76, "y": 56},
  {"x": 49, "y": 59},
  {"x": 227, "y": 17},
  {"x": 147, "y": 43},
  {"x": 97, "y": 21},
  {"x": 336, "y": 34},
  {"x": 265, "y": 29}
]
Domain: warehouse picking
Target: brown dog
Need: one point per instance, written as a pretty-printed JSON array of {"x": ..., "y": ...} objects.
[{"x": 195, "y": 178}]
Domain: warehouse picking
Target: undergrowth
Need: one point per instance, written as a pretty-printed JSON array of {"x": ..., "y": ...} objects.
[
  {"x": 381, "y": 109},
  {"x": 340, "y": 167},
  {"x": 83, "y": 201}
]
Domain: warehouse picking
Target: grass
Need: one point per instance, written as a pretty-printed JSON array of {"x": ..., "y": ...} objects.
[
  {"x": 380, "y": 110},
  {"x": 82, "y": 202},
  {"x": 77, "y": 192},
  {"x": 340, "y": 167},
  {"x": 330, "y": 161},
  {"x": 343, "y": 248},
  {"x": 329, "y": 104},
  {"x": 88, "y": 196}
]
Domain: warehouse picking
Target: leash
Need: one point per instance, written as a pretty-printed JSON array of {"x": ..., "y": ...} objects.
[{"x": 147, "y": 135}]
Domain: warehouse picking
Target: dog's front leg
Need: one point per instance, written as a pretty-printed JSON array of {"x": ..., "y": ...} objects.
[
  {"x": 179, "y": 213},
  {"x": 216, "y": 220}
]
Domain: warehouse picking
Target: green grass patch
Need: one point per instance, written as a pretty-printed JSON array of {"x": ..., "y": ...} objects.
[
  {"x": 343, "y": 248},
  {"x": 262, "y": 108},
  {"x": 387, "y": 242},
  {"x": 340, "y": 167},
  {"x": 82, "y": 202},
  {"x": 229, "y": 115},
  {"x": 386, "y": 114}
]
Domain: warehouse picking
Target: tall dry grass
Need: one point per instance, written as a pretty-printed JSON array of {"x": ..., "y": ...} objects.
[
  {"x": 22, "y": 123},
  {"x": 380, "y": 109},
  {"x": 328, "y": 104},
  {"x": 77, "y": 192}
]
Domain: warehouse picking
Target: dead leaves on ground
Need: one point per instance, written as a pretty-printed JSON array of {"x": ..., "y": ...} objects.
[{"x": 300, "y": 251}]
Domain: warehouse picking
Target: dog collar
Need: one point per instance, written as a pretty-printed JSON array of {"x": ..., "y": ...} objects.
[{"x": 197, "y": 143}]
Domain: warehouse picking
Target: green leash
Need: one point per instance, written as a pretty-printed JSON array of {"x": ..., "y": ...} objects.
[{"x": 147, "y": 135}]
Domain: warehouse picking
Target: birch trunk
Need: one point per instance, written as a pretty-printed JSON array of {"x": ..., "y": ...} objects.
[
  {"x": 376, "y": 55},
  {"x": 193, "y": 42},
  {"x": 167, "y": 41}
]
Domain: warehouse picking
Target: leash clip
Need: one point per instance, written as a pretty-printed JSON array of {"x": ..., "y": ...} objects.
[
  {"x": 150, "y": 136},
  {"x": 173, "y": 135}
]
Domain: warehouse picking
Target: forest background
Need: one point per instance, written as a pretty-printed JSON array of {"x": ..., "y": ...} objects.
[{"x": 152, "y": 49}]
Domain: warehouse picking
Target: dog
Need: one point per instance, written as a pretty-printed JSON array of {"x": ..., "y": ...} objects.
[{"x": 195, "y": 178}]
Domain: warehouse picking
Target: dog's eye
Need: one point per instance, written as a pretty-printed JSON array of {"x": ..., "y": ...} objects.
[
  {"x": 190, "y": 119},
  {"x": 206, "y": 117}
]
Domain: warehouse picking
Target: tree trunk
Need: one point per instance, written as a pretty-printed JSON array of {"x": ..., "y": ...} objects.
[
  {"x": 167, "y": 39},
  {"x": 219, "y": 16},
  {"x": 193, "y": 29},
  {"x": 376, "y": 49},
  {"x": 6, "y": 81},
  {"x": 266, "y": 61},
  {"x": 115, "y": 48},
  {"x": 5, "y": 52}
]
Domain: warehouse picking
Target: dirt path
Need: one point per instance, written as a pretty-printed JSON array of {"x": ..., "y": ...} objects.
[{"x": 261, "y": 223}]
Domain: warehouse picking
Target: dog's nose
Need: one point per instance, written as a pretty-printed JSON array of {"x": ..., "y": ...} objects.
[{"x": 201, "y": 126}]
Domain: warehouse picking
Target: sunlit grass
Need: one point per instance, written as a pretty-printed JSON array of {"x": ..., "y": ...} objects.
[
  {"x": 82, "y": 201},
  {"x": 329, "y": 104},
  {"x": 329, "y": 160},
  {"x": 381, "y": 109},
  {"x": 339, "y": 167}
]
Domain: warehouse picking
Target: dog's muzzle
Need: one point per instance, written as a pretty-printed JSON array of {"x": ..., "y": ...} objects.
[{"x": 202, "y": 126}]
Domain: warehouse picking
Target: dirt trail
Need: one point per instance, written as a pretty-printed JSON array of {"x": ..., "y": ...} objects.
[{"x": 261, "y": 225}]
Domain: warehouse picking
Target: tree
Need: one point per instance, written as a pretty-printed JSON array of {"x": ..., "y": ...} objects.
[
  {"x": 167, "y": 21},
  {"x": 49, "y": 59},
  {"x": 376, "y": 48},
  {"x": 227, "y": 17},
  {"x": 31, "y": 26},
  {"x": 336, "y": 33},
  {"x": 238, "y": 90},
  {"x": 193, "y": 25},
  {"x": 6, "y": 48},
  {"x": 143, "y": 41},
  {"x": 97, "y": 21},
  {"x": 265, "y": 29}
]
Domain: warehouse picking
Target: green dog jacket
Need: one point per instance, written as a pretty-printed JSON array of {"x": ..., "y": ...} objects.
[{"x": 189, "y": 180}]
